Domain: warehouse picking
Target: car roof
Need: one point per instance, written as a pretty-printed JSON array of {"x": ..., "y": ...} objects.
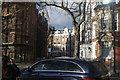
[
  {"x": 65, "y": 58},
  {"x": 77, "y": 60},
  {"x": 83, "y": 63}
]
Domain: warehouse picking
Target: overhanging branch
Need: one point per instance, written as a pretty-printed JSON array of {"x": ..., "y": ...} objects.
[{"x": 60, "y": 6}]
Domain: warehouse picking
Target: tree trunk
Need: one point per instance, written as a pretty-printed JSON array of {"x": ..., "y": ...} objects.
[{"x": 77, "y": 42}]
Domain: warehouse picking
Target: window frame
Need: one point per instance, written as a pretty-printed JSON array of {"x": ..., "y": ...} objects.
[{"x": 66, "y": 61}]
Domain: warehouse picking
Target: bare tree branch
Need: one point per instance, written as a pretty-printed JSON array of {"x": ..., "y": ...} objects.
[
  {"x": 62, "y": 7},
  {"x": 77, "y": 12},
  {"x": 84, "y": 15},
  {"x": 67, "y": 4}
]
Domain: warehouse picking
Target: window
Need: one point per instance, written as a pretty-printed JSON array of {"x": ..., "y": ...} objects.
[
  {"x": 5, "y": 22},
  {"x": 11, "y": 26},
  {"x": 106, "y": 51},
  {"x": 105, "y": 21},
  {"x": 57, "y": 65},
  {"x": 10, "y": 21},
  {"x": 12, "y": 37},
  {"x": 14, "y": 20},
  {"x": 3, "y": 38},
  {"x": 18, "y": 39},
  {"x": 4, "y": 11},
  {"x": 116, "y": 22}
]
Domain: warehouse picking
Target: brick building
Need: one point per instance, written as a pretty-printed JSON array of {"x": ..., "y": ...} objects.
[
  {"x": 107, "y": 17},
  {"x": 20, "y": 23},
  {"x": 42, "y": 32},
  {"x": 117, "y": 38},
  {"x": 61, "y": 42}
]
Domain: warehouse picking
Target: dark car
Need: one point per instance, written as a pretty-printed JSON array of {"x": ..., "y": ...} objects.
[{"x": 65, "y": 69}]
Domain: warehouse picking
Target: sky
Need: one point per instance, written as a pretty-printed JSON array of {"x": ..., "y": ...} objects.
[{"x": 59, "y": 18}]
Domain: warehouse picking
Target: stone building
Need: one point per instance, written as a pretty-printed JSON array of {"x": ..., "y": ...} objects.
[
  {"x": 20, "y": 23},
  {"x": 61, "y": 42},
  {"x": 88, "y": 38}
]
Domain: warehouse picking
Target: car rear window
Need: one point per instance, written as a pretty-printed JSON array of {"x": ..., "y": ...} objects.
[{"x": 57, "y": 65}]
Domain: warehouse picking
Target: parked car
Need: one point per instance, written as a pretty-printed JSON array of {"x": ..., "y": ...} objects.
[{"x": 65, "y": 69}]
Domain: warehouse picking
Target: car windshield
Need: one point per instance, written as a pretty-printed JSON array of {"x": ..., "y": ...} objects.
[{"x": 57, "y": 65}]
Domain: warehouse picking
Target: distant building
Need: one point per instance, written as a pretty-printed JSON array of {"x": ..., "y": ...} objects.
[
  {"x": 61, "y": 42},
  {"x": 42, "y": 36},
  {"x": 88, "y": 38},
  {"x": 20, "y": 23}
]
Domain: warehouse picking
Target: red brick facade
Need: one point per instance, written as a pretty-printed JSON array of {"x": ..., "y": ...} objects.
[{"x": 20, "y": 23}]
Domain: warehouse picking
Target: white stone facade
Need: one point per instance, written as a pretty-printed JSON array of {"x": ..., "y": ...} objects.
[{"x": 62, "y": 40}]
